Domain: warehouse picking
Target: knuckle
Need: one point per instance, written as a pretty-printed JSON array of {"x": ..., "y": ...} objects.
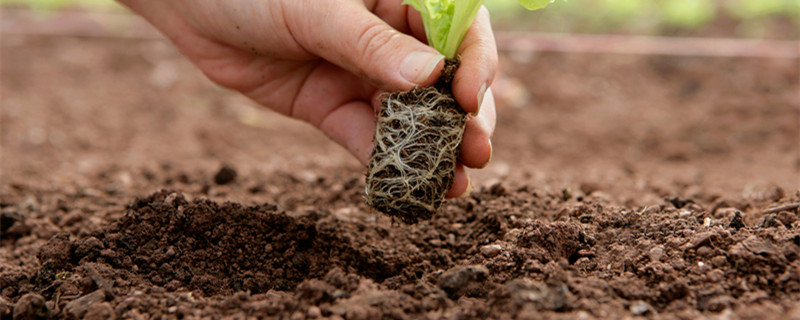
[{"x": 373, "y": 39}]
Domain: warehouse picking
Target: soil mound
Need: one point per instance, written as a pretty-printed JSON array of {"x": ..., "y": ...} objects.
[{"x": 213, "y": 247}]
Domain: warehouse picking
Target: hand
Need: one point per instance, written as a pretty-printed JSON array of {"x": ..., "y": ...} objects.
[{"x": 326, "y": 62}]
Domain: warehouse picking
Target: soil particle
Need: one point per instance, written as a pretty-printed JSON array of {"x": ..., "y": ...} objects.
[
  {"x": 679, "y": 202},
  {"x": 31, "y": 307},
  {"x": 57, "y": 252},
  {"x": 6, "y": 308},
  {"x": 225, "y": 175},
  {"x": 554, "y": 241},
  {"x": 76, "y": 309},
  {"x": 523, "y": 294},
  {"x": 461, "y": 279},
  {"x": 491, "y": 250},
  {"x": 12, "y": 224},
  {"x": 639, "y": 308},
  {"x": 737, "y": 222},
  {"x": 100, "y": 311}
]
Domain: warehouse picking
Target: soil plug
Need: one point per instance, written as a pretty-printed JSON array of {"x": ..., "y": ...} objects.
[
  {"x": 419, "y": 131},
  {"x": 416, "y": 150}
]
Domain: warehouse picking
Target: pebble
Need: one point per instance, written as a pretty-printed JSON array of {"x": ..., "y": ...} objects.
[
  {"x": 639, "y": 308},
  {"x": 491, "y": 250},
  {"x": 656, "y": 253},
  {"x": 314, "y": 312}
]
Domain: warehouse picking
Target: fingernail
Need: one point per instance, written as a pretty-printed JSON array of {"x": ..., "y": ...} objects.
[
  {"x": 467, "y": 192},
  {"x": 481, "y": 93},
  {"x": 491, "y": 153},
  {"x": 418, "y": 66}
]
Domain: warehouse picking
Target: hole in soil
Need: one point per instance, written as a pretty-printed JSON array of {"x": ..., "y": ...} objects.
[{"x": 574, "y": 257}]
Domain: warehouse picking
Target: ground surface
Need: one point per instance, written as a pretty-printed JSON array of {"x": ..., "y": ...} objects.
[{"x": 621, "y": 186}]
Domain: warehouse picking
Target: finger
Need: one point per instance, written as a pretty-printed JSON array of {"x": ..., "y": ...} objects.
[
  {"x": 329, "y": 98},
  {"x": 402, "y": 17},
  {"x": 352, "y": 37},
  {"x": 462, "y": 186},
  {"x": 478, "y": 54},
  {"x": 352, "y": 125},
  {"x": 476, "y": 146}
]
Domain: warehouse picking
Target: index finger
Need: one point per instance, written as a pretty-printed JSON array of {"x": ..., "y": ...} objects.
[{"x": 478, "y": 53}]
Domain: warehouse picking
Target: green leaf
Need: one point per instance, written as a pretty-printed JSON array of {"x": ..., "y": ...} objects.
[
  {"x": 464, "y": 13},
  {"x": 447, "y": 21},
  {"x": 535, "y": 4}
]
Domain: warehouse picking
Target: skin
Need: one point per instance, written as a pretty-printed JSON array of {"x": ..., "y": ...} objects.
[{"x": 327, "y": 62}]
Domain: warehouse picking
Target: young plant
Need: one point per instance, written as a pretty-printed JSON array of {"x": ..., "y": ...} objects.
[{"x": 418, "y": 131}]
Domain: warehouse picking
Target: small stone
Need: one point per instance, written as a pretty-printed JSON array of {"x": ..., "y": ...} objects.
[
  {"x": 491, "y": 250},
  {"x": 314, "y": 312},
  {"x": 170, "y": 251},
  {"x": 639, "y": 308},
  {"x": 656, "y": 253},
  {"x": 297, "y": 315}
]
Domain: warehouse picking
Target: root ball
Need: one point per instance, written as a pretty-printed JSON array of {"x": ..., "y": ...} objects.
[{"x": 416, "y": 150}]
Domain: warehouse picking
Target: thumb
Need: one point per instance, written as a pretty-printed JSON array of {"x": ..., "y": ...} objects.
[{"x": 355, "y": 39}]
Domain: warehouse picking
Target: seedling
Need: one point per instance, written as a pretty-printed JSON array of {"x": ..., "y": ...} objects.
[{"x": 418, "y": 131}]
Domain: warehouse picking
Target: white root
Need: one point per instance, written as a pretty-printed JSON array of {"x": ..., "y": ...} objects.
[{"x": 416, "y": 150}]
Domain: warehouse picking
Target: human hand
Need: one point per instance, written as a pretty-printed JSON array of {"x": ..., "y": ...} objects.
[{"x": 327, "y": 62}]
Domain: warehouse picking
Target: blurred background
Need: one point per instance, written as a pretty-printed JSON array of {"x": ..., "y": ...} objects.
[{"x": 770, "y": 19}]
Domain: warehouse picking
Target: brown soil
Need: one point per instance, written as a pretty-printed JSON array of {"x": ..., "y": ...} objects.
[{"x": 621, "y": 187}]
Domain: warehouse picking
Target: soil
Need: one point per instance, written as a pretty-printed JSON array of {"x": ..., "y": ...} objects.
[
  {"x": 417, "y": 140},
  {"x": 621, "y": 187}
]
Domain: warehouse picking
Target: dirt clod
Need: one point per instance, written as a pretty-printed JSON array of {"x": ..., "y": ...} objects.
[
  {"x": 737, "y": 222},
  {"x": 77, "y": 308},
  {"x": 99, "y": 311},
  {"x": 31, "y": 307},
  {"x": 457, "y": 281},
  {"x": 225, "y": 175}
]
